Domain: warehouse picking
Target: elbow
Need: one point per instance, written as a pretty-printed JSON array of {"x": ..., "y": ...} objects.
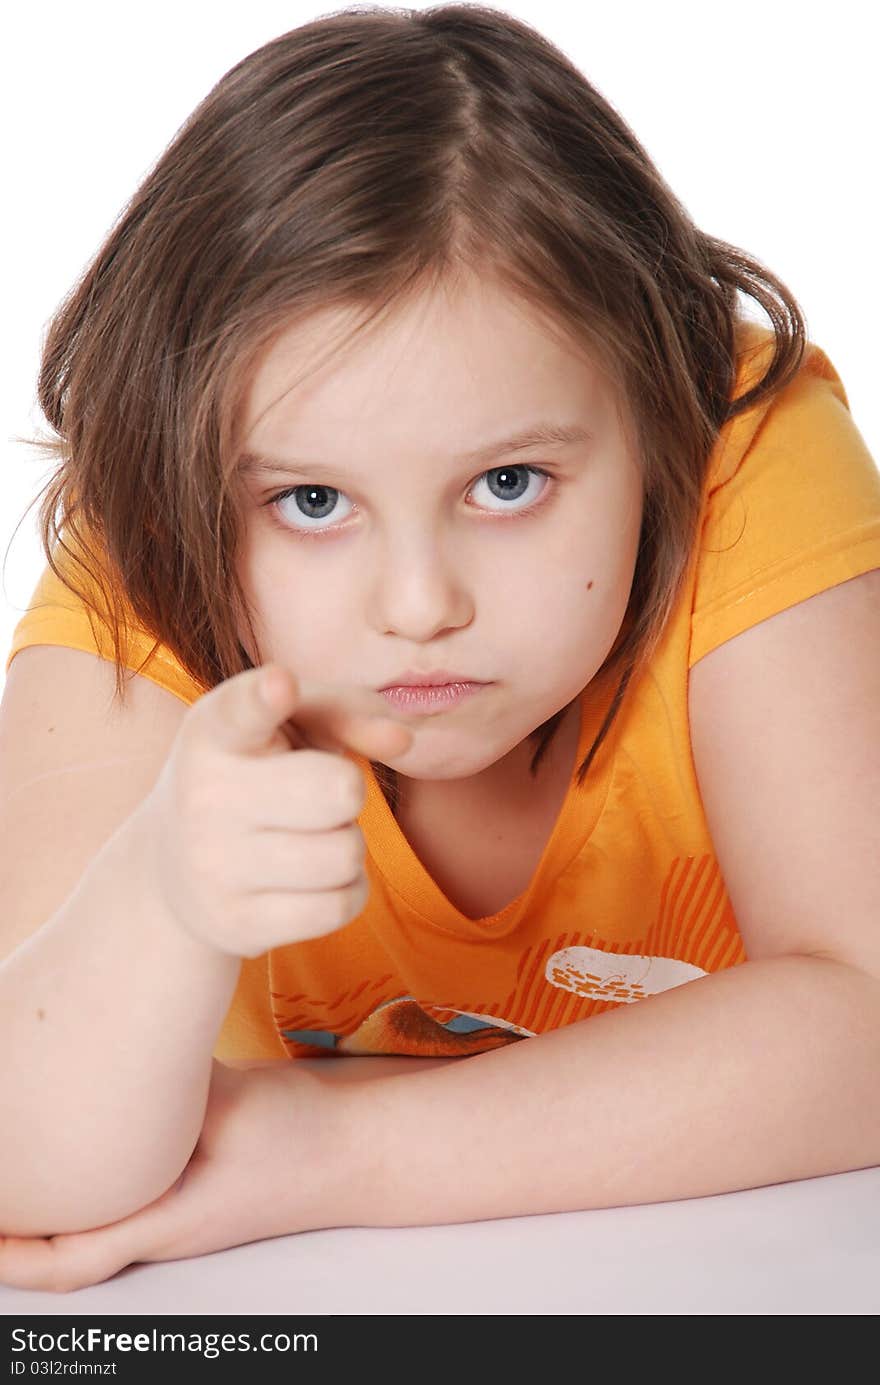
[{"x": 96, "y": 1197}]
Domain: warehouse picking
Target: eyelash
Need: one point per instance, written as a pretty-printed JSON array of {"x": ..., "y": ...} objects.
[{"x": 527, "y": 513}]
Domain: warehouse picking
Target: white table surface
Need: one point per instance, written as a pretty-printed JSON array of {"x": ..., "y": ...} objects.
[{"x": 810, "y": 1247}]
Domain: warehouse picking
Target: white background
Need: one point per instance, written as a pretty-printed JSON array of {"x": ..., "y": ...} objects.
[{"x": 763, "y": 118}]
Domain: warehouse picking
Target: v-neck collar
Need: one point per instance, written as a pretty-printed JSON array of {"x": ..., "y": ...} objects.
[{"x": 578, "y": 815}]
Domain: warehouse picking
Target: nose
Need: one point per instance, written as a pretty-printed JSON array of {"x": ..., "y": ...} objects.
[{"x": 418, "y": 589}]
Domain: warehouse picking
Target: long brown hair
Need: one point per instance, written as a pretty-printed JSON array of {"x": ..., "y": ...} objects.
[{"x": 355, "y": 161}]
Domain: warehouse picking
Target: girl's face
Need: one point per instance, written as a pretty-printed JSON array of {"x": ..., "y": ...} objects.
[{"x": 395, "y": 549}]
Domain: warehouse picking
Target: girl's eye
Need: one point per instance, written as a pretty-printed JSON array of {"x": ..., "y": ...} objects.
[{"x": 507, "y": 484}]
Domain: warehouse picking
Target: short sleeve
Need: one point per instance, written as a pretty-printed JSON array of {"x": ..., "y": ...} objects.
[
  {"x": 796, "y": 513},
  {"x": 55, "y": 615}
]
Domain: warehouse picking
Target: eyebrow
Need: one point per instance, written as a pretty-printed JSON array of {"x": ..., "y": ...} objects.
[{"x": 541, "y": 434}]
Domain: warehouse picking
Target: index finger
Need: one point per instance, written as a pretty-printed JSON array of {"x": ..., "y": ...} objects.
[{"x": 340, "y": 717}]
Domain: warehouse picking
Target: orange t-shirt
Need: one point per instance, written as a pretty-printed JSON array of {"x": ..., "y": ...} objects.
[{"x": 628, "y": 898}]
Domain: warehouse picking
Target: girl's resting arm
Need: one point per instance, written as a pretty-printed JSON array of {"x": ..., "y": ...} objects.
[
  {"x": 760, "y": 1074},
  {"x": 108, "y": 1012},
  {"x": 108, "y": 1018}
]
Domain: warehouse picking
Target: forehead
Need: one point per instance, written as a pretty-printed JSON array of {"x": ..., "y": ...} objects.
[{"x": 476, "y": 350}]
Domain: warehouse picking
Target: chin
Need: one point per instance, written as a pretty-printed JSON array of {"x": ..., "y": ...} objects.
[{"x": 437, "y": 766}]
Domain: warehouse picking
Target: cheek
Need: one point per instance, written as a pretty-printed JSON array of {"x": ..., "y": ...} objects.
[
  {"x": 301, "y": 628},
  {"x": 573, "y": 611},
  {"x": 264, "y": 593}
]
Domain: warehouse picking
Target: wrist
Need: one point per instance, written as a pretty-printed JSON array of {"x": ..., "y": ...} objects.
[
  {"x": 137, "y": 842},
  {"x": 371, "y": 1139},
  {"x": 352, "y": 1187},
  {"x": 326, "y": 1143}
]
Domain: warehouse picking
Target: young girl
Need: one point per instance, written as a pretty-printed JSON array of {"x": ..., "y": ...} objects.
[{"x": 405, "y": 369}]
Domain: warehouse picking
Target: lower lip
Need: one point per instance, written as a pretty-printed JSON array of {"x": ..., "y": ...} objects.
[{"x": 430, "y": 699}]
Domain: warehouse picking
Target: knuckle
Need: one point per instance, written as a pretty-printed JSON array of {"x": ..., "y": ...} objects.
[
  {"x": 342, "y": 911},
  {"x": 353, "y": 852},
  {"x": 352, "y": 788},
  {"x": 328, "y": 910},
  {"x": 351, "y": 901},
  {"x": 336, "y": 781}
]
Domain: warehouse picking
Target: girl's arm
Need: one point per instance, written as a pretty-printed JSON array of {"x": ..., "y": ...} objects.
[
  {"x": 108, "y": 1018},
  {"x": 756, "y": 1075},
  {"x": 761, "y": 1074}
]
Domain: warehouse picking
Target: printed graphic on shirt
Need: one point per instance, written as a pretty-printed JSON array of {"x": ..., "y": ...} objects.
[
  {"x": 403, "y": 1025},
  {"x": 614, "y": 976},
  {"x": 554, "y": 981}
]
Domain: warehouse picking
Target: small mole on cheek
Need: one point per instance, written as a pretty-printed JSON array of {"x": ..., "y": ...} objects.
[
  {"x": 589, "y": 584},
  {"x": 41, "y": 1014}
]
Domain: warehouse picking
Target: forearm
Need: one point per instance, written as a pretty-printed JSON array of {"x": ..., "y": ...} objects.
[
  {"x": 108, "y": 1019},
  {"x": 762, "y": 1074}
]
